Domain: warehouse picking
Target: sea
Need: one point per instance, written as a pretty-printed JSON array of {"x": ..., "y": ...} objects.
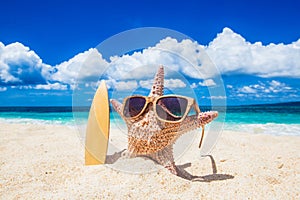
[{"x": 274, "y": 119}]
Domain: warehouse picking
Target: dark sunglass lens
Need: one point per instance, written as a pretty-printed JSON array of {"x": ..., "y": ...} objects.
[
  {"x": 171, "y": 108},
  {"x": 133, "y": 106}
]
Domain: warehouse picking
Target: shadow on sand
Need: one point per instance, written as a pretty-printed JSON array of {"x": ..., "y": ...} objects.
[
  {"x": 207, "y": 178},
  {"x": 110, "y": 159}
]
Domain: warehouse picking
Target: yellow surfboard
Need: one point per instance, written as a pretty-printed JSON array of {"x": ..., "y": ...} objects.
[{"x": 97, "y": 131}]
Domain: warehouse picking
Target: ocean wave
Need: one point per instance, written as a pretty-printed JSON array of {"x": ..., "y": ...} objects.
[
  {"x": 268, "y": 128},
  {"x": 37, "y": 121}
]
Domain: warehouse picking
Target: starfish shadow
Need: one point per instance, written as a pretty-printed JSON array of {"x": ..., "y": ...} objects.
[
  {"x": 207, "y": 178},
  {"x": 181, "y": 172},
  {"x": 110, "y": 159}
]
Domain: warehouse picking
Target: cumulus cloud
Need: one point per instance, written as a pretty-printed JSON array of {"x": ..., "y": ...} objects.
[
  {"x": 268, "y": 88},
  {"x": 168, "y": 83},
  {"x": 20, "y": 65},
  {"x": 86, "y": 66},
  {"x": 119, "y": 85},
  {"x": 51, "y": 86},
  {"x": 204, "y": 83},
  {"x": 276, "y": 86},
  {"x": 174, "y": 83},
  {"x": 146, "y": 83},
  {"x": 233, "y": 54},
  {"x": 186, "y": 57},
  {"x": 125, "y": 85},
  {"x": 208, "y": 83},
  {"x": 133, "y": 84},
  {"x": 247, "y": 89}
]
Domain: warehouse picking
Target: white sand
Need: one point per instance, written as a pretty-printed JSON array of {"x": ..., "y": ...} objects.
[{"x": 47, "y": 162}]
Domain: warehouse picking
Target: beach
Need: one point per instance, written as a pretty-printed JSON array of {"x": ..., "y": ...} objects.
[{"x": 40, "y": 161}]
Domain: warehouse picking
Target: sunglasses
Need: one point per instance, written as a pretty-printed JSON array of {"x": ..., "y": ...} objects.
[{"x": 168, "y": 108}]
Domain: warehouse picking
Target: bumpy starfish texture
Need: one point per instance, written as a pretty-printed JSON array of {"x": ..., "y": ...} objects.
[{"x": 148, "y": 136}]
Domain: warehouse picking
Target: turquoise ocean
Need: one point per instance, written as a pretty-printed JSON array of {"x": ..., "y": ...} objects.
[{"x": 275, "y": 119}]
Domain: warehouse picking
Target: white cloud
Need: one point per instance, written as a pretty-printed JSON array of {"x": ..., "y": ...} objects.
[
  {"x": 217, "y": 97},
  {"x": 86, "y": 66},
  {"x": 96, "y": 84},
  {"x": 229, "y": 86},
  {"x": 178, "y": 56},
  {"x": 214, "y": 97},
  {"x": 193, "y": 85},
  {"x": 247, "y": 89},
  {"x": 3, "y": 89},
  {"x": 51, "y": 86},
  {"x": 233, "y": 54},
  {"x": 174, "y": 83},
  {"x": 126, "y": 85},
  {"x": 117, "y": 85},
  {"x": 274, "y": 83},
  {"x": 208, "y": 83},
  {"x": 20, "y": 65},
  {"x": 276, "y": 86},
  {"x": 229, "y": 51},
  {"x": 268, "y": 89},
  {"x": 25, "y": 87},
  {"x": 47, "y": 86},
  {"x": 146, "y": 83},
  {"x": 168, "y": 83}
]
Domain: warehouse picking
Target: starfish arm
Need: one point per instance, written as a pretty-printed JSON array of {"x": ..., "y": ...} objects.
[
  {"x": 158, "y": 85},
  {"x": 165, "y": 158},
  {"x": 117, "y": 106},
  {"x": 169, "y": 134},
  {"x": 174, "y": 131},
  {"x": 206, "y": 117},
  {"x": 196, "y": 121}
]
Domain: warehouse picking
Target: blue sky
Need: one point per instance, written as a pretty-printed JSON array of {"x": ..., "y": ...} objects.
[{"x": 50, "y": 33}]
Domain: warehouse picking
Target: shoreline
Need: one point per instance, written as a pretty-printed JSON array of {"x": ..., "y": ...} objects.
[
  {"x": 47, "y": 161},
  {"x": 276, "y": 129}
]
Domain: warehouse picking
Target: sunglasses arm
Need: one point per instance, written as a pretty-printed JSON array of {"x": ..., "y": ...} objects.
[
  {"x": 202, "y": 136},
  {"x": 202, "y": 120},
  {"x": 196, "y": 107}
]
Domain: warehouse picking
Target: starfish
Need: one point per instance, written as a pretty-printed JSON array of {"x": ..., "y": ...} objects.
[{"x": 150, "y": 137}]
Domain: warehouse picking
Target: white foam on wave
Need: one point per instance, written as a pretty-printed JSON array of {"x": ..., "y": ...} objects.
[
  {"x": 268, "y": 128},
  {"x": 35, "y": 121}
]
